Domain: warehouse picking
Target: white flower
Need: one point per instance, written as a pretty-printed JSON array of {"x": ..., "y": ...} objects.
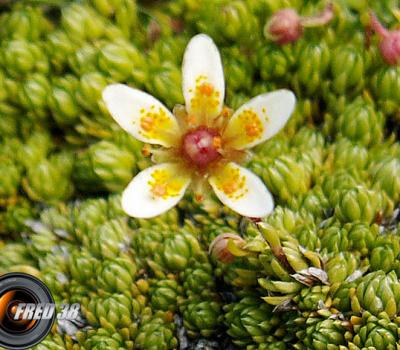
[{"x": 201, "y": 142}]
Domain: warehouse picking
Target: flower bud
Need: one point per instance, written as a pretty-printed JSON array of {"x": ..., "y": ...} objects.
[
  {"x": 284, "y": 27},
  {"x": 219, "y": 247},
  {"x": 389, "y": 45}
]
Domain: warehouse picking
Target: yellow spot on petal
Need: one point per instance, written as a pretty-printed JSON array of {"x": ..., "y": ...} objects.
[
  {"x": 206, "y": 89},
  {"x": 154, "y": 124},
  {"x": 165, "y": 184},
  {"x": 206, "y": 99},
  {"x": 253, "y": 130},
  {"x": 252, "y": 124},
  {"x": 146, "y": 123},
  {"x": 159, "y": 190},
  {"x": 231, "y": 182},
  {"x": 245, "y": 128}
]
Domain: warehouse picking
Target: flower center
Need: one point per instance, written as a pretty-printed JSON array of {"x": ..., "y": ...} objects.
[{"x": 201, "y": 146}]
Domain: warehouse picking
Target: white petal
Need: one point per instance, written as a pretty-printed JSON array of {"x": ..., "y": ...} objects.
[
  {"x": 203, "y": 78},
  {"x": 141, "y": 115},
  {"x": 259, "y": 119},
  {"x": 155, "y": 190},
  {"x": 242, "y": 191}
]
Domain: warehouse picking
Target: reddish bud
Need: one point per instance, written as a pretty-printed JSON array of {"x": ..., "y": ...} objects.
[
  {"x": 219, "y": 247},
  {"x": 284, "y": 27},
  {"x": 287, "y": 26},
  {"x": 389, "y": 45}
]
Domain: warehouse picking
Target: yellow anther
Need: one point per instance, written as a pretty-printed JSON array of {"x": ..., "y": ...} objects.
[
  {"x": 146, "y": 150},
  {"x": 217, "y": 142},
  {"x": 198, "y": 197}
]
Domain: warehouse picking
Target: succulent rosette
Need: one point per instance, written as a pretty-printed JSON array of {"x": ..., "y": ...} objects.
[{"x": 199, "y": 144}]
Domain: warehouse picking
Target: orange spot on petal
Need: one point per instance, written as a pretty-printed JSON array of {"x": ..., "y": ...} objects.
[
  {"x": 232, "y": 183},
  {"x": 165, "y": 184},
  {"x": 253, "y": 129},
  {"x": 229, "y": 188},
  {"x": 206, "y": 89},
  {"x": 146, "y": 123},
  {"x": 159, "y": 190}
]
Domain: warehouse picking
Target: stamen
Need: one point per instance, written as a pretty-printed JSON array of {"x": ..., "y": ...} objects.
[
  {"x": 146, "y": 150},
  {"x": 198, "y": 197},
  {"x": 217, "y": 142}
]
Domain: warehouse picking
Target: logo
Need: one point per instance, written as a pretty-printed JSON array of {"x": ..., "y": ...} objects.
[{"x": 27, "y": 311}]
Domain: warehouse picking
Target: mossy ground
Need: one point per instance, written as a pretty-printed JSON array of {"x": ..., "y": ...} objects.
[{"x": 151, "y": 284}]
